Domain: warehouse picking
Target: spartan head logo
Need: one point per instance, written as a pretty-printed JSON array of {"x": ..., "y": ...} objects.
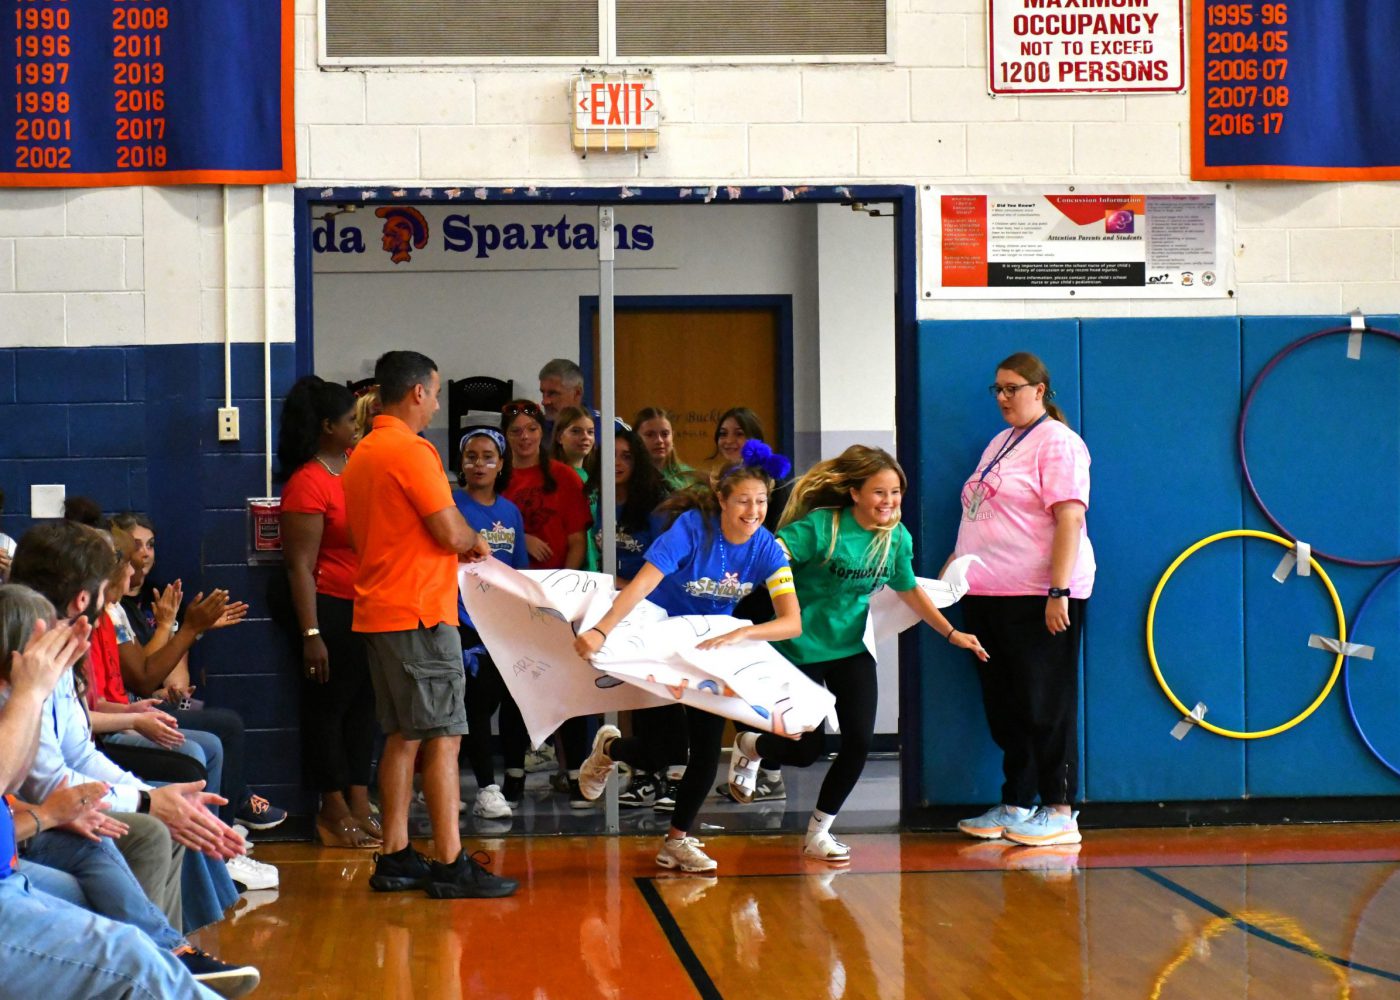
[{"x": 405, "y": 230}]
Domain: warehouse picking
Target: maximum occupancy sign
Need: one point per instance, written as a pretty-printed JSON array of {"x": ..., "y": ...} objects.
[
  {"x": 1294, "y": 90},
  {"x": 106, "y": 92}
]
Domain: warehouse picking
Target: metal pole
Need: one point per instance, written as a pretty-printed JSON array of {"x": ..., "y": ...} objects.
[{"x": 607, "y": 406}]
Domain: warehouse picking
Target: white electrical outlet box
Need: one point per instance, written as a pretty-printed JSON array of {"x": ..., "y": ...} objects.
[{"x": 228, "y": 423}]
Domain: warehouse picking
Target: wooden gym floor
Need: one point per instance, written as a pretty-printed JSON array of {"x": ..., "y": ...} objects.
[{"x": 1289, "y": 912}]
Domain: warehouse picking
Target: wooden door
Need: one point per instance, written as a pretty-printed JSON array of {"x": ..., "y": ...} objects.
[{"x": 697, "y": 363}]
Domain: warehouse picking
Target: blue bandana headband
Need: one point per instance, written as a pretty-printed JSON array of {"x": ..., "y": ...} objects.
[{"x": 487, "y": 432}]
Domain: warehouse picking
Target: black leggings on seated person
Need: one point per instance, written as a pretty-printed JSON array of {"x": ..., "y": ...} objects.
[
  {"x": 853, "y": 681},
  {"x": 704, "y": 732}
]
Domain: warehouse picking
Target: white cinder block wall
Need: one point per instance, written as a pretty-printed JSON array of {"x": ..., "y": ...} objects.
[{"x": 130, "y": 266}]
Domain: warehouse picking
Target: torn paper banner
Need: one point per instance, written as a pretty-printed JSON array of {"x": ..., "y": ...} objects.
[
  {"x": 527, "y": 621},
  {"x": 890, "y": 616}
]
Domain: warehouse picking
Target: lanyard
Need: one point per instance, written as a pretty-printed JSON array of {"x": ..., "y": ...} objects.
[{"x": 1011, "y": 442}]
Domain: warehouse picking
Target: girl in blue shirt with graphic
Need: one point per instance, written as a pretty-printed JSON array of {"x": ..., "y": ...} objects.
[
  {"x": 498, "y": 521},
  {"x": 716, "y": 552}
]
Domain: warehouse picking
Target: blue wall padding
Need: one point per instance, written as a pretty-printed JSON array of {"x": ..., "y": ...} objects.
[
  {"x": 134, "y": 427},
  {"x": 1324, "y": 450},
  {"x": 1160, "y": 397},
  {"x": 957, "y": 362},
  {"x": 1157, "y": 401}
]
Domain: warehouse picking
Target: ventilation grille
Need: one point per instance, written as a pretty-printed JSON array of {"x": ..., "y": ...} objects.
[
  {"x": 445, "y": 29},
  {"x": 651, "y": 28}
]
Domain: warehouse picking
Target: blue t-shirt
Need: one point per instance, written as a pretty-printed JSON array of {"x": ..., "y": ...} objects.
[
  {"x": 704, "y": 574},
  {"x": 632, "y": 544},
  {"x": 502, "y": 527},
  {"x": 7, "y": 840}
]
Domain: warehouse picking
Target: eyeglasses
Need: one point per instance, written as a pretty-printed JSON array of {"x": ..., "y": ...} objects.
[
  {"x": 515, "y": 409},
  {"x": 1009, "y": 391},
  {"x": 485, "y": 463}
]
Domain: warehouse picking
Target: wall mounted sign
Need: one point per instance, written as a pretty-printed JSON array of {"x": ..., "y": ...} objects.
[
  {"x": 143, "y": 92},
  {"x": 615, "y": 112},
  {"x": 1083, "y": 46},
  {"x": 1034, "y": 243}
]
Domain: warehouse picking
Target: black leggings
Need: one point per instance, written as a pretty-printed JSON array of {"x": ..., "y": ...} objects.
[
  {"x": 486, "y": 692},
  {"x": 852, "y": 680},
  {"x": 1030, "y": 690},
  {"x": 338, "y": 726},
  {"x": 664, "y": 730},
  {"x": 704, "y": 732}
]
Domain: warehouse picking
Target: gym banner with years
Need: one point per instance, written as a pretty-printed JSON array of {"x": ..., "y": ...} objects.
[
  {"x": 146, "y": 92},
  {"x": 1294, "y": 91}
]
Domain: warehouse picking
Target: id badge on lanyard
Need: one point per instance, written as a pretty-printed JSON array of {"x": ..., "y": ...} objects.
[{"x": 980, "y": 492}]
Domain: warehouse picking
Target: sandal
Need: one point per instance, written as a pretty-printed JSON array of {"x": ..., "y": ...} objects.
[
  {"x": 370, "y": 824},
  {"x": 346, "y": 832}
]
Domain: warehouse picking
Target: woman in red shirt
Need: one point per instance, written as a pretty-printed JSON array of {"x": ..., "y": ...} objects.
[
  {"x": 318, "y": 429},
  {"x": 548, "y": 492}
]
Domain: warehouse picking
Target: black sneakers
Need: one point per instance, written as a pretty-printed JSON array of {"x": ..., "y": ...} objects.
[
  {"x": 397, "y": 872},
  {"x": 224, "y": 979},
  {"x": 513, "y": 788},
  {"x": 640, "y": 792},
  {"x": 465, "y": 878}
]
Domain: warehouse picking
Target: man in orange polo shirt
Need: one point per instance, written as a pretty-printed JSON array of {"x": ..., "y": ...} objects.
[{"x": 408, "y": 533}]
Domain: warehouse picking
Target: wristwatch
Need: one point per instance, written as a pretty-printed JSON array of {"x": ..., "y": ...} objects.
[
  {"x": 1058, "y": 591},
  {"x": 144, "y": 805},
  {"x": 309, "y": 632}
]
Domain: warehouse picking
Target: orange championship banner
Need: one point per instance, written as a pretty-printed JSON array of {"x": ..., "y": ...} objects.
[
  {"x": 147, "y": 92},
  {"x": 1294, "y": 90}
]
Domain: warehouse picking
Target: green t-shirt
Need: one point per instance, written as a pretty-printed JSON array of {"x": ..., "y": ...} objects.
[{"x": 835, "y": 592}]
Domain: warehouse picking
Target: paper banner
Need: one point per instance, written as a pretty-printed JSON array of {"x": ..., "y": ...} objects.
[{"x": 889, "y": 615}]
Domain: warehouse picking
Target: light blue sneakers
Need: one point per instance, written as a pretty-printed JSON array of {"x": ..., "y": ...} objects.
[
  {"x": 991, "y": 824},
  {"x": 1045, "y": 827}
]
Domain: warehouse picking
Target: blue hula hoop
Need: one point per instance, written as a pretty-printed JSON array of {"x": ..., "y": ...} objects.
[{"x": 1346, "y": 671}]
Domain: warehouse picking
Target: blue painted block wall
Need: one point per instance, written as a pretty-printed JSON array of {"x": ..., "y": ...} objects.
[
  {"x": 1157, "y": 401},
  {"x": 135, "y": 428}
]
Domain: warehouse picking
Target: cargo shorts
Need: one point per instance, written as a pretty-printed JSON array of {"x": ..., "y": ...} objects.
[{"x": 419, "y": 683}]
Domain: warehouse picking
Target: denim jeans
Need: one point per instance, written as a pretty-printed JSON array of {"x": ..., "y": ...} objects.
[
  {"x": 106, "y": 881},
  {"x": 204, "y": 747},
  {"x": 52, "y": 948}
]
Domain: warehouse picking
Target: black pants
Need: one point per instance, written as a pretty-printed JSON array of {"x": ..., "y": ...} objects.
[
  {"x": 704, "y": 733},
  {"x": 337, "y": 717},
  {"x": 1030, "y": 690},
  {"x": 485, "y": 693},
  {"x": 664, "y": 731},
  {"x": 853, "y": 681}
]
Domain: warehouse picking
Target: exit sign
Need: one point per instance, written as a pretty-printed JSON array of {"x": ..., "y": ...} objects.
[{"x": 615, "y": 113}]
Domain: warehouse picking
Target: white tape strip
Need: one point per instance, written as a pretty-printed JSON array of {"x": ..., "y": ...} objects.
[
  {"x": 1331, "y": 645},
  {"x": 1300, "y": 556},
  {"x": 1304, "y": 553},
  {"x": 1285, "y": 566},
  {"x": 1358, "y": 326},
  {"x": 1183, "y": 727}
]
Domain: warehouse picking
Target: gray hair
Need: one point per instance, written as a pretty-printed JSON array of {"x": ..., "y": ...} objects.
[
  {"x": 20, "y": 608},
  {"x": 564, "y": 370}
]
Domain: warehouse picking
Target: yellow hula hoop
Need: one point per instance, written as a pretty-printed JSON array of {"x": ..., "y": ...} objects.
[{"x": 1152, "y": 651}]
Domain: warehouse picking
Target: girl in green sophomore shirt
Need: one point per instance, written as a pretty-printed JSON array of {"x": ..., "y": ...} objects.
[{"x": 842, "y": 534}]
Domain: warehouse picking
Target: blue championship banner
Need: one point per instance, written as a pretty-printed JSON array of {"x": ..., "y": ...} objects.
[
  {"x": 111, "y": 92},
  {"x": 1302, "y": 90}
]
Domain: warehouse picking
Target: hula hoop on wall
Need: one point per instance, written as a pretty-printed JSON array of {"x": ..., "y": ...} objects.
[
  {"x": 1244, "y": 423},
  {"x": 1346, "y": 674},
  {"x": 1152, "y": 651}
]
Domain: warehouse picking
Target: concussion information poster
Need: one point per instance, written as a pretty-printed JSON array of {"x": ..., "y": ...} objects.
[
  {"x": 1029, "y": 243},
  {"x": 146, "y": 92},
  {"x": 1302, "y": 90}
]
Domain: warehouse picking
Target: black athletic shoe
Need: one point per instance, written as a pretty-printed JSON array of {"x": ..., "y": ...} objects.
[
  {"x": 513, "y": 788},
  {"x": 224, "y": 979},
  {"x": 666, "y": 791},
  {"x": 577, "y": 800},
  {"x": 400, "y": 871},
  {"x": 466, "y": 878},
  {"x": 640, "y": 792}
]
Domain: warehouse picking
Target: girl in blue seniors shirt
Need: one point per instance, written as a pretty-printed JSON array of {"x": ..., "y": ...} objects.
[
  {"x": 715, "y": 553},
  {"x": 498, "y": 521}
]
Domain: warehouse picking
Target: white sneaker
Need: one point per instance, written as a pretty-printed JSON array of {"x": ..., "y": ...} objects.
[
  {"x": 684, "y": 853},
  {"x": 242, "y": 831},
  {"x": 252, "y": 874},
  {"x": 593, "y": 774},
  {"x": 824, "y": 847},
  {"x": 491, "y": 804}
]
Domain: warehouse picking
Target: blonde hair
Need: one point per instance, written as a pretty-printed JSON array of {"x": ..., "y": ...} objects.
[
  {"x": 828, "y": 485},
  {"x": 366, "y": 408},
  {"x": 1033, "y": 370}
]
